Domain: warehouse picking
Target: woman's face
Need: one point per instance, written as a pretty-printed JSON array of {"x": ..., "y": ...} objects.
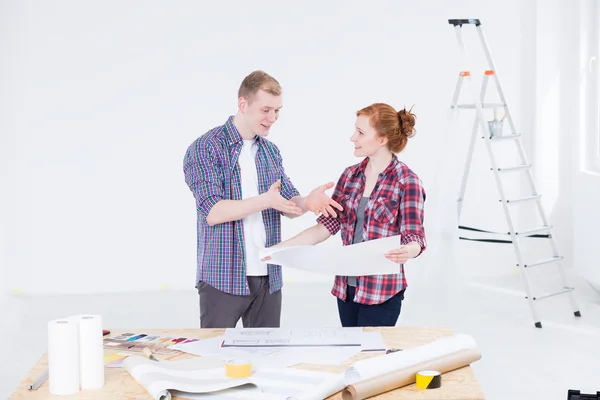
[{"x": 367, "y": 141}]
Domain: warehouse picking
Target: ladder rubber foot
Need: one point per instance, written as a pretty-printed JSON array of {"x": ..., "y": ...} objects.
[
  {"x": 577, "y": 314},
  {"x": 538, "y": 324}
]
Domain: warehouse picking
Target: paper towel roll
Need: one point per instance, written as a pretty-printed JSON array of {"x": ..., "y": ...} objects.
[
  {"x": 91, "y": 352},
  {"x": 63, "y": 356}
]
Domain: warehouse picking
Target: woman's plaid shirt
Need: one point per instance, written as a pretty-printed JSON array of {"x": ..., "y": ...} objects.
[{"x": 395, "y": 207}]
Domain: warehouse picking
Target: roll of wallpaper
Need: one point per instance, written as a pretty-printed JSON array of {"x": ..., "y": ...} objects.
[
  {"x": 63, "y": 356},
  {"x": 407, "y": 375},
  {"x": 378, "y": 366},
  {"x": 91, "y": 352}
]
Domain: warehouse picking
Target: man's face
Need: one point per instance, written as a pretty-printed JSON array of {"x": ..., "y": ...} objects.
[
  {"x": 262, "y": 112},
  {"x": 366, "y": 140}
]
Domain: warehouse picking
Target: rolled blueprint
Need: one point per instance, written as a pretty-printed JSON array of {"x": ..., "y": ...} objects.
[
  {"x": 406, "y": 376},
  {"x": 91, "y": 352},
  {"x": 63, "y": 356},
  {"x": 377, "y": 366}
]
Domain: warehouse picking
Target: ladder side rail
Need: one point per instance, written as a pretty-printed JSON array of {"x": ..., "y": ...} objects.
[{"x": 470, "y": 151}]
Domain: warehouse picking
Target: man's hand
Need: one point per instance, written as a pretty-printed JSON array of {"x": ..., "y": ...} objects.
[
  {"x": 318, "y": 202},
  {"x": 399, "y": 255},
  {"x": 275, "y": 200}
]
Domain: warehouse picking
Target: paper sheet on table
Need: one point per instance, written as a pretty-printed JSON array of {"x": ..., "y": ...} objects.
[
  {"x": 195, "y": 376},
  {"x": 199, "y": 378},
  {"x": 286, "y": 356},
  {"x": 280, "y": 384},
  {"x": 279, "y": 337},
  {"x": 270, "y": 356},
  {"x": 361, "y": 259}
]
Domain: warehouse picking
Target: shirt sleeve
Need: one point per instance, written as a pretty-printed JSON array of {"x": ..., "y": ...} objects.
[
  {"x": 412, "y": 205},
  {"x": 203, "y": 176},
  {"x": 333, "y": 225},
  {"x": 288, "y": 190}
]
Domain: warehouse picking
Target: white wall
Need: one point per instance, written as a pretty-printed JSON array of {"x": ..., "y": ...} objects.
[
  {"x": 565, "y": 40},
  {"x": 101, "y": 100},
  {"x": 586, "y": 178}
]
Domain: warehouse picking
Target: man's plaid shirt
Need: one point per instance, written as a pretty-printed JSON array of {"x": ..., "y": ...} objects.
[{"x": 212, "y": 173}]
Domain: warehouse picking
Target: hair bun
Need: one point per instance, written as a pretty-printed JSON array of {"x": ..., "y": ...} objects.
[{"x": 407, "y": 122}]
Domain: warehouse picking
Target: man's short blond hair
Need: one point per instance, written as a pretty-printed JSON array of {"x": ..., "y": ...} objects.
[{"x": 258, "y": 80}]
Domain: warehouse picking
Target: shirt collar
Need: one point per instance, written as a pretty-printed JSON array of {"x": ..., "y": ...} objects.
[
  {"x": 391, "y": 166},
  {"x": 233, "y": 135}
]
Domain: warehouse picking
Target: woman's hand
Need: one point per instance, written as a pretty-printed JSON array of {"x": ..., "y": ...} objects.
[
  {"x": 404, "y": 252},
  {"x": 399, "y": 255},
  {"x": 267, "y": 258}
]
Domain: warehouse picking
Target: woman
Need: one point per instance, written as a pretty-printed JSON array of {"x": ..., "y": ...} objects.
[{"x": 381, "y": 197}]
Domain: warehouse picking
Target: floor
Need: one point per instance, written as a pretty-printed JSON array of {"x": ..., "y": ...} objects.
[{"x": 519, "y": 361}]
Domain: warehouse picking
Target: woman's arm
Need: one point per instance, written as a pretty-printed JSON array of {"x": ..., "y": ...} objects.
[
  {"x": 411, "y": 216},
  {"x": 311, "y": 236}
]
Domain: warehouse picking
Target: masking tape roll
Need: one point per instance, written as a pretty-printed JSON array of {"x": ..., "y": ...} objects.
[
  {"x": 429, "y": 379},
  {"x": 238, "y": 369}
]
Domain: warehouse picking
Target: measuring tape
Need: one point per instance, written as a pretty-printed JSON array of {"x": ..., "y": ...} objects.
[
  {"x": 429, "y": 379},
  {"x": 238, "y": 369}
]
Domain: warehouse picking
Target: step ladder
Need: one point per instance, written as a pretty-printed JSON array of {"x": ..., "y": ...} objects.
[{"x": 491, "y": 136}]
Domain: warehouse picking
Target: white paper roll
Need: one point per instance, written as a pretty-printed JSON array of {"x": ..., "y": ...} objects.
[
  {"x": 91, "y": 352},
  {"x": 63, "y": 356},
  {"x": 376, "y": 366}
]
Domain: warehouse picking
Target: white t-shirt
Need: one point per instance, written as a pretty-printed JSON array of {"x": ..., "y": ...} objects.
[{"x": 255, "y": 236}]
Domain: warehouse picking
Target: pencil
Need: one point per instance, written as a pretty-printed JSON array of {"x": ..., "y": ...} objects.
[{"x": 148, "y": 352}]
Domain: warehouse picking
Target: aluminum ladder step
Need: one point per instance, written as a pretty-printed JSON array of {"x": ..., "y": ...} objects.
[
  {"x": 521, "y": 167},
  {"x": 534, "y": 231},
  {"x": 543, "y": 262},
  {"x": 484, "y": 105},
  {"x": 548, "y": 295},
  {"x": 524, "y": 199}
]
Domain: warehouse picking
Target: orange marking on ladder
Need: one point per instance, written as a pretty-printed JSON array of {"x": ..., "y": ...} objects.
[
  {"x": 465, "y": 73},
  {"x": 489, "y": 72}
]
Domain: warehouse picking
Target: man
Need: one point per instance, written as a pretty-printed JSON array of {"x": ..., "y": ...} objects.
[{"x": 241, "y": 190}]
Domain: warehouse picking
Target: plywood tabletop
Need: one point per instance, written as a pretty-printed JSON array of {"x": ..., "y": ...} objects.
[{"x": 460, "y": 384}]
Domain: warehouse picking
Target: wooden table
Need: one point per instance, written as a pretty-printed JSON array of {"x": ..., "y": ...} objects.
[{"x": 460, "y": 384}]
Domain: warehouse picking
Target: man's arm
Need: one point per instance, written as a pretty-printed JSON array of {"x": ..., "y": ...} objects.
[
  {"x": 232, "y": 210},
  {"x": 205, "y": 179}
]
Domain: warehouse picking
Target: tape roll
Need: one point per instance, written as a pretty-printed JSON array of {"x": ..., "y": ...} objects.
[
  {"x": 238, "y": 369},
  {"x": 429, "y": 379}
]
